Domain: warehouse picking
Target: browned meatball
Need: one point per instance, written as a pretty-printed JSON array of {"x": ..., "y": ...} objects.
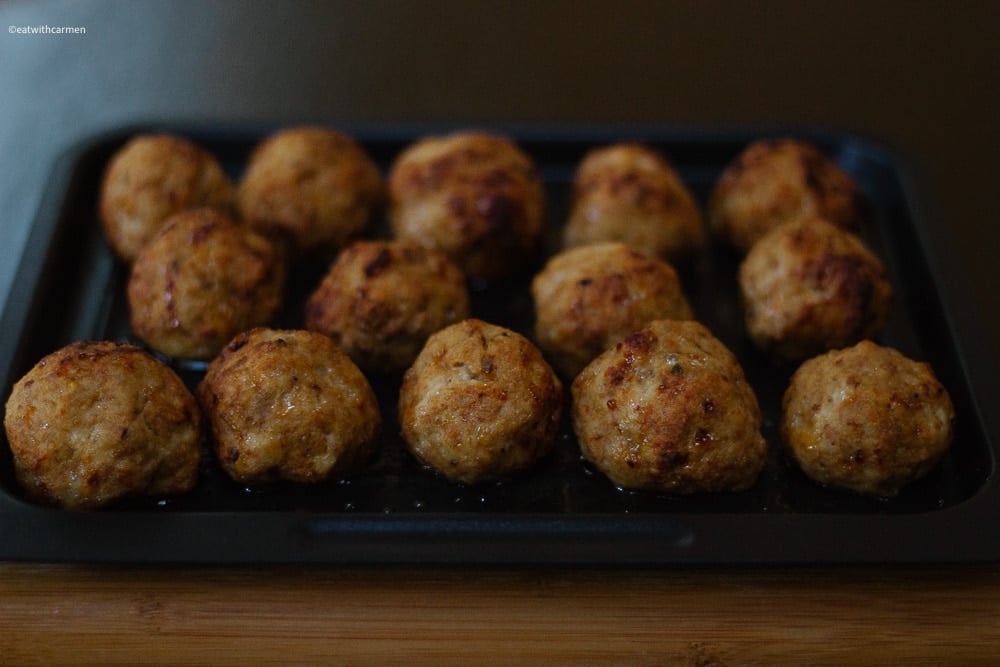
[
  {"x": 479, "y": 403},
  {"x": 808, "y": 287},
  {"x": 97, "y": 422},
  {"x": 630, "y": 193},
  {"x": 775, "y": 181},
  {"x": 288, "y": 405},
  {"x": 669, "y": 410},
  {"x": 151, "y": 178},
  {"x": 382, "y": 299},
  {"x": 866, "y": 419},
  {"x": 201, "y": 281},
  {"x": 589, "y": 298},
  {"x": 314, "y": 186},
  {"x": 475, "y": 196}
]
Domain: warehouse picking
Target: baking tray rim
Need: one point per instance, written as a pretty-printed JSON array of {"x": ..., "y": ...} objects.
[{"x": 477, "y": 539}]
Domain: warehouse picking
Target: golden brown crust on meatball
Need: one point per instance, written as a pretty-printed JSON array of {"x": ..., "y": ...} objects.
[
  {"x": 201, "y": 281},
  {"x": 480, "y": 403},
  {"x": 314, "y": 186},
  {"x": 775, "y": 181},
  {"x": 589, "y": 298},
  {"x": 288, "y": 405},
  {"x": 475, "y": 196},
  {"x": 381, "y": 300},
  {"x": 669, "y": 410},
  {"x": 809, "y": 286},
  {"x": 866, "y": 419},
  {"x": 151, "y": 178},
  {"x": 95, "y": 422},
  {"x": 630, "y": 193}
]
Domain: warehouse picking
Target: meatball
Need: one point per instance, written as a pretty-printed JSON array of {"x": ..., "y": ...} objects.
[
  {"x": 775, "y": 181},
  {"x": 151, "y": 178},
  {"x": 314, "y": 186},
  {"x": 201, "y": 281},
  {"x": 479, "y": 403},
  {"x": 809, "y": 286},
  {"x": 288, "y": 405},
  {"x": 96, "y": 422},
  {"x": 381, "y": 300},
  {"x": 866, "y": 419},
  {"x": 589, "y": 298},
  {"x": 668, "y": 410},
  {"x": 474, "y": 196},
  {"x": 630, "y": 193}
]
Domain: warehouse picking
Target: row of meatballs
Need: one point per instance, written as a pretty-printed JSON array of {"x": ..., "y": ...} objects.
[
  {"x": 664, "y": 407},
  {"x": 667, "y": 409},
  {"x": 476, "y": 196}
]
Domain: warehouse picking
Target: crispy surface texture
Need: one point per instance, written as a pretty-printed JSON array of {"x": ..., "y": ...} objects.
[
  {"x": 314, "y": 186},
  {"x": 287, "y": 404},
  {"x": 808, "y": 287},
  {"x": 668, "y": 410},
  {"x": 475, "y": 196},
  {"x": 774, "y": 181},
  {"x": 202, "y": 280},
  {"x": 151, "y": 178},
  {"x": 381, "y": 300},
  {"x": 480, "y": 403},
  {"x": 589, "y": 298},
  {"x": 867, "y": 419},
  {"x": 629, "y": 192},
  {"x": 95, "y": 422}
]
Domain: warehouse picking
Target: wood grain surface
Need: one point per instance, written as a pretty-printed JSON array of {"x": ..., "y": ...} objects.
[{"x": 73, "y": 615}]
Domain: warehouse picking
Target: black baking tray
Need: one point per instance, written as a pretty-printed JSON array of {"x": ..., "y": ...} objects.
[{"x": 70, "y": 287}]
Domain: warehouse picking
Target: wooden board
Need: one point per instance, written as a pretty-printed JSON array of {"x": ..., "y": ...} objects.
[{"x": 65, "y": 615}]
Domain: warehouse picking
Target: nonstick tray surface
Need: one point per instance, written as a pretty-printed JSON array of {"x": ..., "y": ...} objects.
[{"x": 70, "y": 287}]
